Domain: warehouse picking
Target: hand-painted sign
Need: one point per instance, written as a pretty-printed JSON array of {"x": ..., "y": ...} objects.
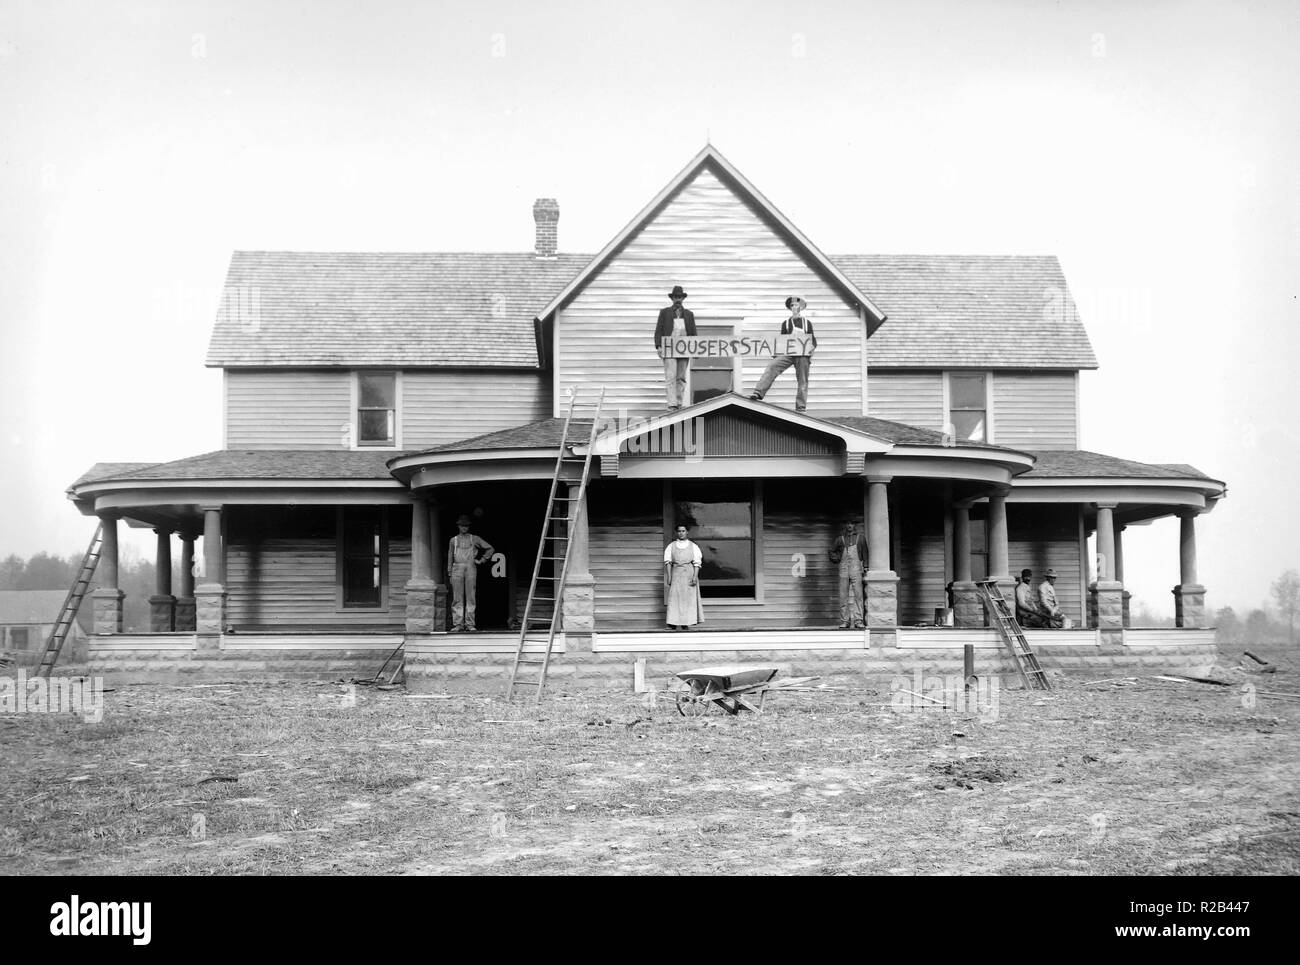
[{"x": 686, "y": 347}]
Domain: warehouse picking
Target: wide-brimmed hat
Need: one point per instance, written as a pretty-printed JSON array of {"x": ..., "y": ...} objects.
[
  {"x": 464, "y": 520},
  {"x": 789, "y": 302},
  {"x": 677, "y": 292},
  {"x": 1049, "y": 572}
]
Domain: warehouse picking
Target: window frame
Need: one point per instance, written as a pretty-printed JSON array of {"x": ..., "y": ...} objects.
[
  {"x": 731, "y": 326},
  {"x": 756, "y": 527},
  {"x": 340, "y": 563},
  {"x": 948, "y": 410},
  {"x": 355, "y": 434}
]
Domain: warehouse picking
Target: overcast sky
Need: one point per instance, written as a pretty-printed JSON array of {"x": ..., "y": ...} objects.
[{"x": 1151, "y": 146}]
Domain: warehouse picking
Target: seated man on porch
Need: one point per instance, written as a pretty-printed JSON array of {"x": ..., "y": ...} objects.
[
  {"x": 1053, "y": 615},
  {"x": 1029, "y": 612}
]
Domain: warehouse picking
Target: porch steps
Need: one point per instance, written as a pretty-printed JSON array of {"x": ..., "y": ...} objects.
[
  {"x": 555, "y": 529},
  {"x": 71, "y": 603},
  {"x": 1004, "y": 621}
]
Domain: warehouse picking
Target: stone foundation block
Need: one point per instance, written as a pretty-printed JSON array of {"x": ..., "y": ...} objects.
[
  {"x": 1189, "y": 605},
  {"x": 1106, "y": 605},
  {"x": 210, "y": 608},
  {"x": 880, "y": 598},
  {"x": 579, "y": 604},
  {"x": 967, "y": 605},
  {"x": 162, "y": 613},
  {"x": 422, "y": 607},
  {"x": 185, "y": 614},
  {"x": 107, "y": 608}
]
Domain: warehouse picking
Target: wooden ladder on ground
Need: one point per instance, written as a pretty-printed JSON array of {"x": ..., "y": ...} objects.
[
  {"x": 557, "y": 518},
  {"x": 1004, "y": 620},
  {"x": 71, "y": 603}
]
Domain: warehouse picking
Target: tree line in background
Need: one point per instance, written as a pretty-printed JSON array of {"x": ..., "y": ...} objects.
[{"x": 47, "y": 572}]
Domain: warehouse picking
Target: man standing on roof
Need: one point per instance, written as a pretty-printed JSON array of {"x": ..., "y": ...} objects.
[
  {"x": 675, "y": 321},
  {"x": 1053, "y": 615},
  {"x": 464, "y": 554},
  {"x": 796, "y": 324}
]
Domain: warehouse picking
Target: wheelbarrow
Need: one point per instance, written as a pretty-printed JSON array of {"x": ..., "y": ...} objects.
[{"x": 729, "y": 687}]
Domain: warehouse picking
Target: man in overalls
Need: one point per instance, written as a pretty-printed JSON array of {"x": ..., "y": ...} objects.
[
  {"x": 464, "y": 553},
  {"x": 850, "y": 553},
  {"x": 796, "y": 324}
]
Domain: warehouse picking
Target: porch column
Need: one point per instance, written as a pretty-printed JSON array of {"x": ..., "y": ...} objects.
[
  {"x": 185, "y": 599},
  {"x": 437, "y": 566},
  {"x": 1106, "y": 594},
  {"x": 968, "y": 609},
  {"x": 999, "y": 545},
  {"x": 1189, "y": 596},
  {"x": 579, "y": 615},
  {"x": 162, "y": 605},
  {"x": 1119, "y": 569},
  {"x": 107, "y": 600},
  {"x": 210, "y": 595},
  {"x": 880, "y": 599},
  {"x": 420, "y": 587}
]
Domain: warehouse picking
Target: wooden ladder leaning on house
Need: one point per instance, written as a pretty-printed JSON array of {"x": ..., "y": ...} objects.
[
  {"x": 557, "y": 515},
  {"x": 71, "y": 603},
  {"x": 1004, "y": 620}
]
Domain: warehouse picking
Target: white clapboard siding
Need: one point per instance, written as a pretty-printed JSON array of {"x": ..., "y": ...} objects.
[
  {"x": 287, "y": 409},
  {"x": 1036, "y": 410},
  {"x": 733, "y": 265},
  {"x": 1043, "y": 536},
  {"x": 291, "y": 583},
  {"x": 444, "y": 405},
  {"x": 914, "y": 398},
  {"x": 921, "y": 585}
]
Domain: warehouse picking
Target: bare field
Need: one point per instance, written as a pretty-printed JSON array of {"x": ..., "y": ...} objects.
[{"x": 1136, "y": 776}]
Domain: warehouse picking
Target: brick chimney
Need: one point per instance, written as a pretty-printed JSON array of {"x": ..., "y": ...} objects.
[{"x": 546, "y": 212}]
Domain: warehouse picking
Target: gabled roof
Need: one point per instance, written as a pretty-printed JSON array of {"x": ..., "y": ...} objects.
[
  {"x": 299, "y": 308},
  {"x": 976, "y": 311},
  {"x": 712, "y": 159}
]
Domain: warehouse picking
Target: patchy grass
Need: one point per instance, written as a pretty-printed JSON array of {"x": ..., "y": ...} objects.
[{"x": 1123, "y": 777}]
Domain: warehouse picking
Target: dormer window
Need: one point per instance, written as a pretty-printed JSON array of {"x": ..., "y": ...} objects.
[{"x": 376, "y": 408}]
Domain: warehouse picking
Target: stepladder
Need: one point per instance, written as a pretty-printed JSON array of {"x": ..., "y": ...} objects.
[
  {"x": 1004, "y": 621},
  {"x": 544, "y": 606}
]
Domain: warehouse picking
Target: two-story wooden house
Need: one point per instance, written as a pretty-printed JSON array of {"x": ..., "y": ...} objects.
[{"x": 372, "y": 399}]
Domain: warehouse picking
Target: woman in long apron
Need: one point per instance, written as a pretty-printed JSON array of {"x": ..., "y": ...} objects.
[{"x": 682, "y": 560}]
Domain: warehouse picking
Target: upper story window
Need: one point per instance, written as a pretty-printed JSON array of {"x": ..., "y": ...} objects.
[
  {"x": 968, "y": 406},
  {"x": 376, "y": 408},
  {"x": 713, "y": 376}
]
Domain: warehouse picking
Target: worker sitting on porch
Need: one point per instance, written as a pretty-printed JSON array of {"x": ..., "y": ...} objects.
[
  {"x": 1029, "y": 612},
  {"x": 1054, "y": 616},
  {"x": 796, "y": 323},
  {"x": 682, "y": 562},
  {"x": 464, "y": 553},
  {"x": 849, "y": 552}
]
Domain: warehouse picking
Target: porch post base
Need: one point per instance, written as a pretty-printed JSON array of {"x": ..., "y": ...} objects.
[
  {"x": 162, "y": 613},
  {"x": 210, "y": 609},
  {"x": 579, "y": 614},
  {"x": 1128, "y": 617},
  {"x": 422, "y": 608},
  {"x": 880, "y": 599},
  {"x": 1106, "y": 605},
  {"x": 185, "y": 613},
  {"x": 107, "y": 606},
  {"x": 1189, "y": 605},
  {"x": 967, "y": 605}
]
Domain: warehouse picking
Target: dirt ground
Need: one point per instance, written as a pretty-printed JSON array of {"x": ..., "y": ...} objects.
[{"x": 1099, "y": 777}]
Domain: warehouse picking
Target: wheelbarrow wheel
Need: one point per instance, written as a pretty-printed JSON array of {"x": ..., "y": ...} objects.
[{"x": 692, "y": 700}]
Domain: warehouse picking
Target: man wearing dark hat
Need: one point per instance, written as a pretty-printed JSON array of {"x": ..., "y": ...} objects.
[
  {"x": 796, "y": 323},
  {"x": 464, "y": 554},
  {"x": 1053, "y": 615},
  {"x": 1029, "y": 612},
  {"x": 675, "y": 321}
]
